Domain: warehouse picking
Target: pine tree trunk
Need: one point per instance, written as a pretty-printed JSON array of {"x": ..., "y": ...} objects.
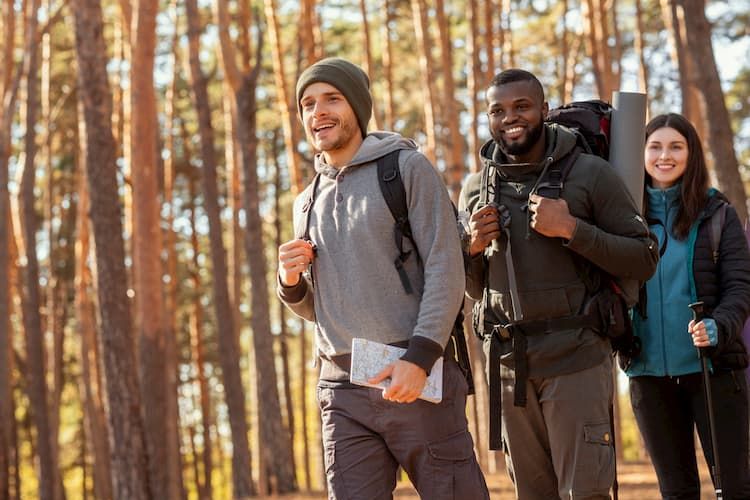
[
  {"x": 48, "y": 471},
  {"x": 284, "y": 336},
  {"x": 147, "y": 246},
  {"x": 369, "y": 67},
  {"x": 129, "y": 462},
  {"x": 287, "y": 106},
  {"x": 7, "y": 419},
  {"x": 171, "y": 348},
  {"x": 198, "y": 357},
  {"x": 274, "y": 437},
  {"x": 91, "y": 382},
  {"x": 720, "y": 135},
  {"x": 229, "y": 346},
  {"x": 387, "y": 66},
  {"x": 455, "y": 168},
  {"x": 692, "y": 107},
  {"x": 419, "y": 14},
  {"x": 639, "y": 46},
  {"x": 473, "y": 78}
]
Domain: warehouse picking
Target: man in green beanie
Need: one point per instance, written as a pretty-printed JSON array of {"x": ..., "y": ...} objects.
[{"x": 339, "y": 272}]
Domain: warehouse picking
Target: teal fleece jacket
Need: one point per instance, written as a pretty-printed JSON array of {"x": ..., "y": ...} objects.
[
  {"x": 356, "y": 290},
  {"x": 668, "y": 349}
]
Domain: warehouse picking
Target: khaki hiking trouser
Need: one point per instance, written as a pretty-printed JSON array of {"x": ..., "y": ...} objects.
[
  {"x": 560, "y": 444},
  {"x": 366, "y": 438}
]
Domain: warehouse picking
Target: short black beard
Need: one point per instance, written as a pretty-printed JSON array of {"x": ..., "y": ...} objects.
[{"x": 524, "y": 147}]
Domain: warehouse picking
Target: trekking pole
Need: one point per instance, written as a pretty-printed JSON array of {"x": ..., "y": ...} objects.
[{"x": 698, "y": 315}]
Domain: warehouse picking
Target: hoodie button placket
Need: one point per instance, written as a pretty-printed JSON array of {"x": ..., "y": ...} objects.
[{"x": 339, "y": 180}]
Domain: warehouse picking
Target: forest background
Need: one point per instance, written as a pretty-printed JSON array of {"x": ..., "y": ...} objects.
[{"x": 149, "y": 155}]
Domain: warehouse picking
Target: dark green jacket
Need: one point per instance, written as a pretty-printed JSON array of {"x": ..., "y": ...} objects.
[{"x": 610, "y": 234}]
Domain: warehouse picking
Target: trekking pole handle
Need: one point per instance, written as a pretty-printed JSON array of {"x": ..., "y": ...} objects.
[{"x": 698, "y": 315}]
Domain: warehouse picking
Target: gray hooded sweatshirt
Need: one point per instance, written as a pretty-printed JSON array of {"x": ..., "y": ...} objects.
[{"x": 353, "y": 288}]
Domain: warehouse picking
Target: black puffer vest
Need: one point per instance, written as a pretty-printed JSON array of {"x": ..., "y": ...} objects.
[{"x": 724, "y": 286}]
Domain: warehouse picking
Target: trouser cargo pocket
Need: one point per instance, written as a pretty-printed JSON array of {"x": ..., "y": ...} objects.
[
  {"x": 454, "y": 473},
  {"x": 595, "y": 462}
]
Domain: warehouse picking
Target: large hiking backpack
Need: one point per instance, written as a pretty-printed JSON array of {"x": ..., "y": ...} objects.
[
  {"x": 393, "y": 191},
  {"x": 590, "y": 119}
]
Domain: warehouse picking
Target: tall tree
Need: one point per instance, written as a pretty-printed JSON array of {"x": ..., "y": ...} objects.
[
  {"x": 369, "y": 67},
  {"x": 241, "y": 84},
  {"x": 10, "y": 76},
  {"x": 639, "y": 46},
  {"x": 604, "y": 60},
  {"x": 129, "y": 462},
  {"x": 225, "y": 316},
  {"x": 48, "y": 470},
  {"x": 147, "y": 246},
  {"x": 424, "y": 46},
  {"x": 693, "y": 107},
  {"x": 91, "y": 380},
  {"x": 473, "y": 78},
  {"x": 286, "y": 104},
  {"x": 274, "y": 437},
  {"x": 454, "y": 169},
  {"x": 706, "y": 75},
  {"x": 389, "y": 114}
]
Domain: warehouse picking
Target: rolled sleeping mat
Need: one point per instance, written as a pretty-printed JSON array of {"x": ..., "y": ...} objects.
[{"x": 627, "y": 140}]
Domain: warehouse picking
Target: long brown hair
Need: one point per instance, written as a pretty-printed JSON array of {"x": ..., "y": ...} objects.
[{"x": 694, "y": 189}]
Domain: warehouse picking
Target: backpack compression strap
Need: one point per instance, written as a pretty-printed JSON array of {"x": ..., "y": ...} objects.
[
  {"x": 394, "y": 193},
  {"x": 392, "y": 187}
]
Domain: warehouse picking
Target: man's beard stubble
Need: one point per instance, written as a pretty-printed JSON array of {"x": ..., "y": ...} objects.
[{"x": 523, "y": 147}]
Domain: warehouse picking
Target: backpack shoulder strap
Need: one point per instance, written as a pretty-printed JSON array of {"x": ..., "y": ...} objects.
[
  {"x": 394, "y": 193},
  {"x": 714, "y": 234},
  {"x": 554, "y": 179},
  {"x": 303, "y": 232}
]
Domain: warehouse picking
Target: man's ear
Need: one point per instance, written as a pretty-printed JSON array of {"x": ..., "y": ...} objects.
[{"x": 545, "y": 109}]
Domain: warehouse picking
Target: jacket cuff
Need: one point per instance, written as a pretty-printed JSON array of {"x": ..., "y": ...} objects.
[
  {"x": 712, "y": 331},
  {"x": 291, "y": 294},
  {"x": 423, "y": 352}
]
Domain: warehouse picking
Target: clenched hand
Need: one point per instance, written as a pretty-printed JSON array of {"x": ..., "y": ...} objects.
[
  {"x": 551, "y": 217},
  {"x": 294, "y": 257}
]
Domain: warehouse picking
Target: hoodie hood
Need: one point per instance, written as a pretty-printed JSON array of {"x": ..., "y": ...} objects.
[
  {"x": 560, "y": 141},
  {"x": 374, "y": 146}
]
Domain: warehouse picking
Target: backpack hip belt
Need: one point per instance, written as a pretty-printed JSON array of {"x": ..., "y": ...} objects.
[{"x": 517, "y": 332}]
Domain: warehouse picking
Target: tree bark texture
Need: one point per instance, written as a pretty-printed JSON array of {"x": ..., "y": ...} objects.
[
  {"x": 473, "y": 78},
  {"x": 147, "y": 245},
  {"x": 128, "y": 453},
  {"x": 454, "y": 161},
  {"x": 720, "y": 135},
  {"x": 287, "y": 104},
  {"x": 229, "y": 347},
  {"x": 424, "y": 45},
  {"x": 48, "y": 470},
  {"x": 91, "y": 381},
  {"x": 273, "y": 436}
]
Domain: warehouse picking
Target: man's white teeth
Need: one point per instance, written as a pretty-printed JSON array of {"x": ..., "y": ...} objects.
[
  {"x": 322, "y": 127},
  {"x": 514, "y": 130}
]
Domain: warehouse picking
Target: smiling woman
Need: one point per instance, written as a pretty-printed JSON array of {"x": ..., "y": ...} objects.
[{"x": 666, "y": 157}]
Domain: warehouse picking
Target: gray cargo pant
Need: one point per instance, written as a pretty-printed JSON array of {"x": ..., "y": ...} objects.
[
  {"x": 366, "y": 438},
  {"x": 560, "y": 443}
]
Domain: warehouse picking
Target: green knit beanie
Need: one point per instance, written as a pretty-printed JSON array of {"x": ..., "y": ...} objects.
[{"x": 348, "y": 78}]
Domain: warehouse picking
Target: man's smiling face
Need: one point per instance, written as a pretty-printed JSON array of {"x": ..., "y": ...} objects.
[
  {"x": 516, "y": 112},
  {"x": 329, "y": 120}
]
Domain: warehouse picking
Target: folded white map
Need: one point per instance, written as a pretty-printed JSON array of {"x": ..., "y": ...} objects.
[{"x": 369, "y": 358}]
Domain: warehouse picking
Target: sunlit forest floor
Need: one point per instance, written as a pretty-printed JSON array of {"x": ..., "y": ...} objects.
[{"x": 637, "y": 482}]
